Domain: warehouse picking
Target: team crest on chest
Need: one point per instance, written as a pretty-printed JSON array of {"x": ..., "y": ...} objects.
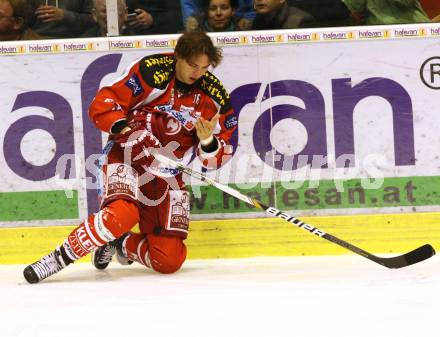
[{"x": 172, "y": 126}]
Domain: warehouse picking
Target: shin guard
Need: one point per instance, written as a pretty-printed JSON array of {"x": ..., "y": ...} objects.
[{"x": 108, "y": 224}]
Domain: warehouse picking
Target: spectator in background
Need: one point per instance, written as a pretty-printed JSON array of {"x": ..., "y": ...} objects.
[
  {"x": 154, "y": 17},
  {"x": 327, "y": 13},
  {"x": 14, "y": 17},
  {"x": 214, "y": 16},
  {"x": 99, "y": 13},
  {"x": 140, "y": 19},
  {"x": 63, "y": 18},
  {"x": 189, "y": 8},
  {"x": 172, "y": 20},
  {"x": 277, "y": 14},
  {"x": 385, "y": 12},
  {"x": 244, "y": 13}
]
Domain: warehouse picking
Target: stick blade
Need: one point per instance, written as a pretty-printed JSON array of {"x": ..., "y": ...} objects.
[{"x": 417, "y": 255}]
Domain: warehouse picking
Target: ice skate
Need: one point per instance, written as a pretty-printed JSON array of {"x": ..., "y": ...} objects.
[
  {"x": 45, "y": 267},
  {"x": 102, "y": 256}
]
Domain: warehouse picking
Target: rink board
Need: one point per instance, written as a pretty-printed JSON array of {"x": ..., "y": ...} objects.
[
  {"x": 330, "y": 121},
  {"x": 237, "y": 238}
]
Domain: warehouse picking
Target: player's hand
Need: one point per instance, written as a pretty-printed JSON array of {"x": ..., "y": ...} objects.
[
  {"x": 49, "y": 14},
  {"x": 137, "y": 142},
  {"x": 143, "y": 18},
  {"x": 205, "y": 128}
]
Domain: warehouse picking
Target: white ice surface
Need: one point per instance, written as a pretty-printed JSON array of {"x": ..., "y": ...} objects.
[{"x": 299, "y": 296}]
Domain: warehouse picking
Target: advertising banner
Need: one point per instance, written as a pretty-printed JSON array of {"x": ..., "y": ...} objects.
[{"x": 338, "y": 127}]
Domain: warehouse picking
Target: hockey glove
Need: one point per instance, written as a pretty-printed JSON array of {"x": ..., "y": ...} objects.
[{"x": 137, "y": 142}]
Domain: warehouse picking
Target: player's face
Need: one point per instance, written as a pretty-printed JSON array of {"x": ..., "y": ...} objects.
[
  {"x": 219, "y": 14},
  {"x": 100, "y": 15},
  {"x": 190, "y": 71},
  {"x": 267, "y": 6}
]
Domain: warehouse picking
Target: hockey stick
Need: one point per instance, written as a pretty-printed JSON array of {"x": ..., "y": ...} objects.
[{"x": 417, "y": 255}]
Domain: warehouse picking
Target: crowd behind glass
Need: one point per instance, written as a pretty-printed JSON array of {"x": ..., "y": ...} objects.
[{"x": 54, "y": 19}]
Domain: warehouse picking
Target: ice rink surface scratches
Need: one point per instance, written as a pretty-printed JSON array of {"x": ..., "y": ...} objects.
[{"x": 321, "y": 296}]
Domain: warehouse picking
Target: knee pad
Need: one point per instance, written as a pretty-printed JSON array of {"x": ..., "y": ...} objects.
[
  {"x": 166, "y": 254},
  {"x": 119, "y": 216}
]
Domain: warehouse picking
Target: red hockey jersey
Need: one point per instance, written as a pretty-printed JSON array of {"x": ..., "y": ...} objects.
[{"x": 148, "y": 86}]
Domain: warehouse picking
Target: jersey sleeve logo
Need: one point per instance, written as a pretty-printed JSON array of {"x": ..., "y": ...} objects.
[
  {"x": 230, "y": 122},
  {"x": 135, "y": 85}
]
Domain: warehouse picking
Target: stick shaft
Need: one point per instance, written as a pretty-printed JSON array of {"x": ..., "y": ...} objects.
[{"x": 414, "y": 256}]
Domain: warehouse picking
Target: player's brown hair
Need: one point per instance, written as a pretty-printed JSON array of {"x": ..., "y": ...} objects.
[{"x": 191, "y": 44}]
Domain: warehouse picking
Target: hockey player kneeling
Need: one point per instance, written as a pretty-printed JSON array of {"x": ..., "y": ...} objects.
[{"x": 164, "y": 102}]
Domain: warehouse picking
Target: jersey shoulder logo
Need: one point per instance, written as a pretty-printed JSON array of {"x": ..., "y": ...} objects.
[
  {"x": 157, "y": 70},
  {"x": 215, "y": 89}
]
